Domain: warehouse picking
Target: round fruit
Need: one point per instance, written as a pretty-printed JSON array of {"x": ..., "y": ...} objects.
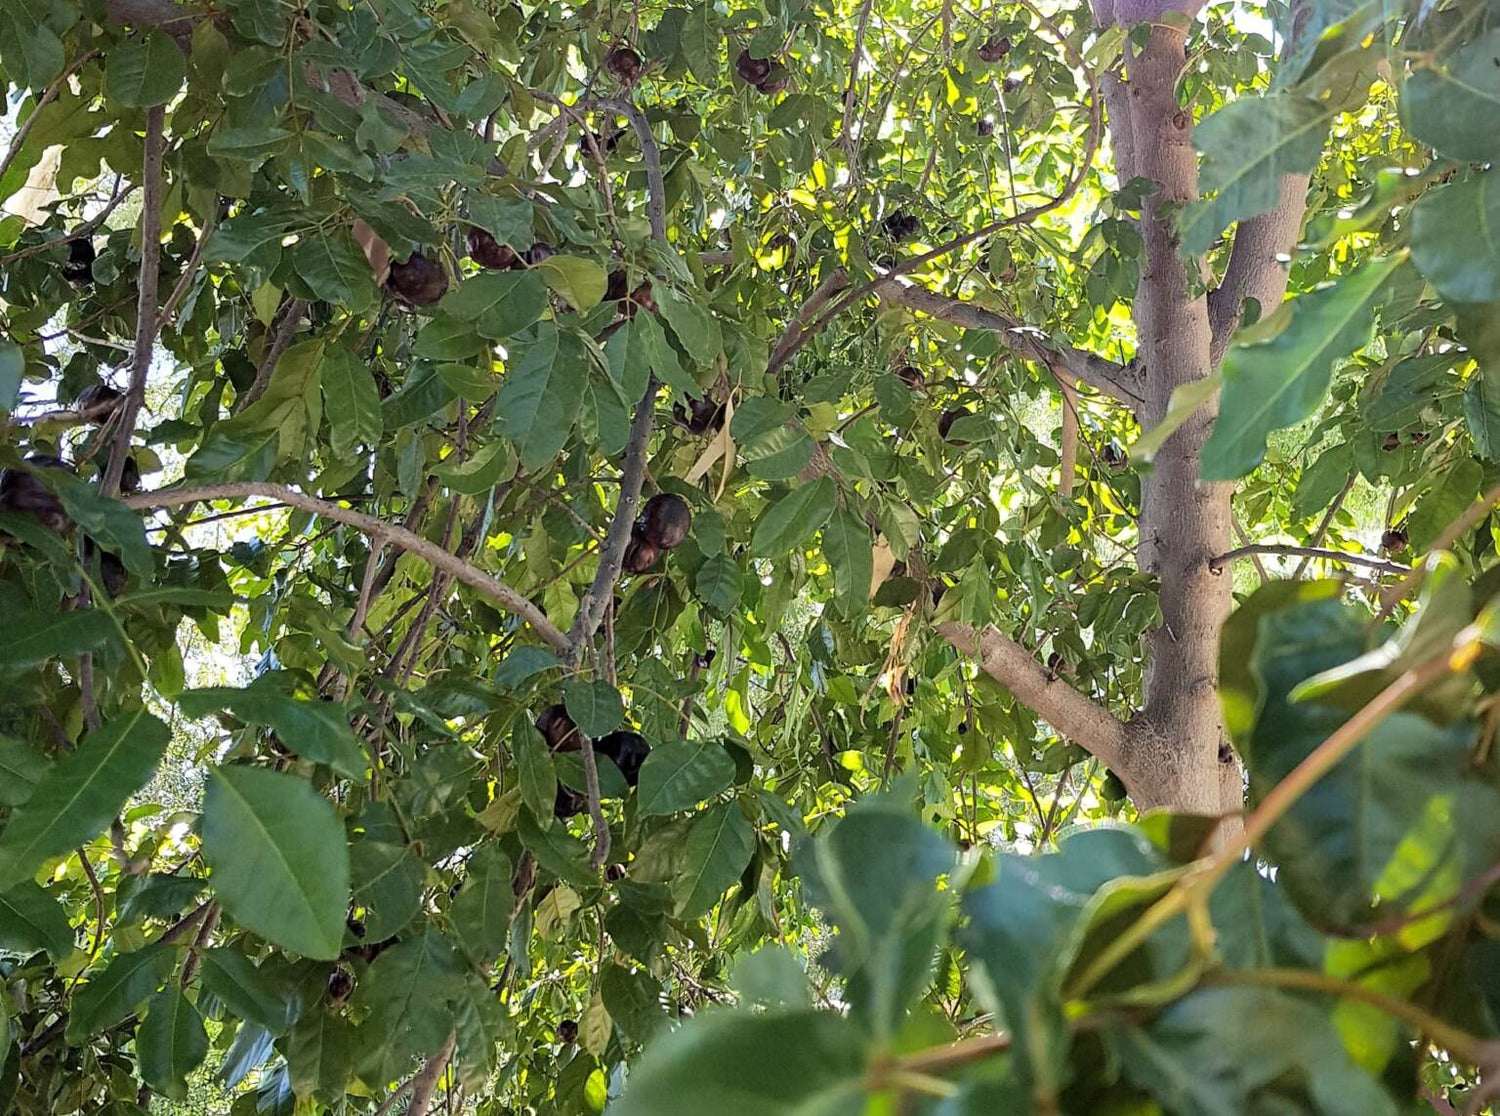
[
  {"x": 752, "y": 70},
  {"x": 112, "y": 575},
  {"x": 558, "y": 728},
  {"x": 567, "y": 1030},
  {"x": 614, "y": 873},
  {"x": 340, "y": 984},
  {"x": 539, "y": 251},
  {"x": 778, "y": 79},
  {"x": 23, "y": 494},
  {"x": 488, "y": 252},
  {"x": 419, "y": 281},
  {"x": 624, "y": 63},
  {"x": 666, "y": 520},
  {"x": 1393, "y": 541},
  {"x": 130, "y": 477},
  {"x": 1113, "y": 454},
  {"x": 912, "y": 377},
  {"x": 901, "y": 225},
  {"x": 699, "y": 416},
  {"x": 986, "y": 129},
  {"x": 79, "y": 270},
  {"x": 98, "y": 400},
  {"x": 945, "y": 424},
  {"x": 640, "y": 556},
  {"x": 1392, "y": 442},
  {"x": 994, "y": 48},
  {"x": 1010, "y": 85},
  {"x": 628, "y": 749},
  {"x": 568, "y": 803}
]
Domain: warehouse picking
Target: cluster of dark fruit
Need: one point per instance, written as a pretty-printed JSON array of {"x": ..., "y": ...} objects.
[
  {"x": 663, "y": 523},
  {"x": 490, "y": 254},
  {"x": 630, "y": 298},
  {"x": 79, "y": 270},
  {"x": 1392, "y": 442},
  {"x": 1393, "y": 541},
  {"x": 994, "y": 48},
  {"x": 627, "y": 749},
  {"x": 624, "y": 64},
  {"x": 700, "y": 416},
  {"x": 21, "y": 493},
  {"x": 901, "y": 225},
  {"x": 766, "y": 74}
]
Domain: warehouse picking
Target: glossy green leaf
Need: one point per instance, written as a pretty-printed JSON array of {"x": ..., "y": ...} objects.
[
  {"x": 351, "y": 401},
  {"x": 111, "y": 524},
  {"x": 123, "y": 986},
  {"x": 279, "y": 859},
  {"x": 245, "y": 990},
  {"x": 21, "y": 768},
  {"x": 321, "y": 1052},
  {"x": 594, "y": 705},
  {"x": 335, "y": 269},
  {"x": 387, "y": 881},
  {"x": 541, "y": 396},
  {"x": 31, "y": 919},
  {"x": 316, "y": 730},
  {"x": 1455, "y": 238},
  {"x": 406, "y": 994},
  {"x": 534, "y": 768},
  {"x": 498, "y": 304},
  {"x": 37, "y": 637},
  {"x": 145, "y": 71},
  {"x": 714, "y": 853},
  {"x": 481, "y": 911},
  {"x": 171, "y": 1043},
  {"x": 82, "y": 793},
  {"x": 719, "y": 583},
  {"x": 1451, "y": 106},
  {"x": 682, "y": 773},
  {"x": 850, "y": 551},
  {"x": 581, "y": 282},
  {"x": 791, "y": 521}
]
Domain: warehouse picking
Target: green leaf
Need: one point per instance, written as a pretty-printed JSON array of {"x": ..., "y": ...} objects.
[
  {"x": 406, "y": 993},
  {"x": 351, "y": 402},
  {"x": 714, "y": 853},
  {"x": 1275, "y": 383},
  {"x": 719, "y": 583},
  {"x": 82, "y": 793},
  {"x": 109, "y": 997},
  {"x": 1482, "y": 411},
  {"x": 481, "y": 472},
  {"x": 280, "y": 862},
  {"x": 482, "y": 1024},
  {"x": 700, "y": 43},
  {"x": 170, "y": 1043},
  {"x": 1248, "y": 146},
  {"x": 31, "y": 919},
  {"x": 111, "y": 524},
  {"x": 36, "y": 637},
  {"x": 252, "y": 144},
  {"x": 633, "y": 999},
  {"x": 594, "y": 705},
  {"x": 850, "y": 551},
  {"x": 21, "y": 768},
  {"x": 659, "y": 354},
  {"x": 522, "y": 664},
  {"x": 315, "y": 730},
  {"x": 508, "y": 220},
  {"x": 629, "y": 361},
  {"x": 738, "y": 1064},
  {"x": 387, "y": 881},
  {"x": 12, "y": 369},
  {"x": 534, "y": 767},
  {"x": 145, "y": 71},
  {"x": 498, "y": 304},
  {"x": 1455, "y": 238},
  {"x": 335, "y": 269},
  {"x": 245, "y": 990},
  {"x": 480, "y": 915},
  {"x": 778, "y": 454},
  {"x": 321, "y": 1053},
  {"x": 791, "y": 521},
  {"x": 682, "y": 773},
  {"x": 1453, "y": 108},
  {"x": 582, "y": 282},
  {"x": 556, "y": 851},
  {"x": 697, "y": 331},
  {"x": 541, "y": 396}
]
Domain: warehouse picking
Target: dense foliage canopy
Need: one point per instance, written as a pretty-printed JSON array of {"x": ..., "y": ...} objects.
[{"x": 576, "y": 557}]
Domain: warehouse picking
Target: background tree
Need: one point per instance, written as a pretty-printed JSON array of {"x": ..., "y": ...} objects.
[{"x": 488, "y": 491}]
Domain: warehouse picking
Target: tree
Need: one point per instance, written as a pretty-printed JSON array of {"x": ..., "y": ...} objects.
[{"x": 663, "y": 474}]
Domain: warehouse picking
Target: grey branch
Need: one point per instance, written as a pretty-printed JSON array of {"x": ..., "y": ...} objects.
[
  {"x": 291, "y": 318},
  {"x": 1075, "y": 716},
  {"x": 1106, "y": 376},
  {"x": 791, "y": 340},
  {"x": 1223, "y": 560},
  {"x": 425, "y": 1083},
  {"x": 1259, "y": 263},
  {"x": 146, "y": 306},
  {"x": 434, "y": 555}
]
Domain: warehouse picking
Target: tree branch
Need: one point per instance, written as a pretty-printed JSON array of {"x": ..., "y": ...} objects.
[
  {"x": 291, "y": 318},
  {"x": 591, "y": 608},
  {"x": 423, "y": 1085},
  {"x": 1078, "y": 718},
  {"x": 1258, "y": 263},
  {"x": 434, "y": 555},
  {"x": 838, "y": 280},
  {"x": 1218, "y": 564},
  {"x": 146, "y": 306},
  {"x": 1103, "y": 375},
  {"x": 47, "y": 97}
]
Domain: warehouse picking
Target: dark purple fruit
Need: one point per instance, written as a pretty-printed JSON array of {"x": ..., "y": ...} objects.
[
  {"x": 419, "y": 281},
  {"x": 112, "y": 575},
  {"x": 558, "y": 728},
  {"x": 98, "y": 400},
  {"x": 1392, "y": 442},
  {"x": 1417, "y": 437},
  {"x": 901, "y": 225},
  {"x": 699, "y": 416},
  {"x": 640, "y": 556},
  {"x": 945, "y": 424},
  {"x": 1113, "y": 454},
  {"x": 79, "y": 270},
  {"x": 994, "y": 48},
  {"x": 356, "y": 927},
  {"x": 617, "y": 289},
  {"x": 539, "y": 251},
  {"x": 986, "y": 129},
  {"x": 751, "y": 70},
  {"x": 567, "y": 803},
  {"x": 1010, "y": 85},
  {"x": 779, "y": 78},
  {"x": 1393, "y": 541},
  {"x": 489, "y": 253},
  {"x": 628, "y": 749},
  {"x": 614, "y": 873},
  {"x": 624, "y": 64},
  {"x": 340, "y": 984},
  {"x": 23, "y": 494},
  {"x": 665, "y": 520},
  {"x": 912, "y": 377},
  {"x": 567, "y": 1030}
]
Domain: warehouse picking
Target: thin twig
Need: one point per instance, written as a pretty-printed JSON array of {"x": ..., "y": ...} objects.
[
  {"x": 291, "y": 318},
  {"x": 1471, "y": 516},
  {"x": 146, "y": 317},
  {"x": 87, "y": 229},
  {"x": 435, "y": 556},
  {"x": 179, "y": 292},
  {"x": 1325, "y": 523},
  {"x": 1218, "y": 564}
]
